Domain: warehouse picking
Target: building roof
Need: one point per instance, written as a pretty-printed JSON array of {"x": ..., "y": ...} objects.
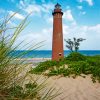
[{"x": 57, "y": 5}]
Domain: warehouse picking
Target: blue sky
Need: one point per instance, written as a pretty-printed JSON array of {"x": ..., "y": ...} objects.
[{"x": 81, "y": 19}]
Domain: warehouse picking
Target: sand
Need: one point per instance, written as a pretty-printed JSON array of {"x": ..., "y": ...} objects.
[
  {"x": 77, "y": 89},
  {"x": 74, "y": 89},
  {"x": 33, "y": 61}
]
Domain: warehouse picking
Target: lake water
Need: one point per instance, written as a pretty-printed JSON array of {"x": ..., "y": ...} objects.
[{"x": 48, "y": 53}]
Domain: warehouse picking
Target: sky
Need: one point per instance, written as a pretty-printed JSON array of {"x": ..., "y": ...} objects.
[{"x": 81, "y": 19}]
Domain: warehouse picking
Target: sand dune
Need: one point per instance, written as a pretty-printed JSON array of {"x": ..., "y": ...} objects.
[
  {"x": 77, "y": 89},
  {"x": 73, "y": 89}
]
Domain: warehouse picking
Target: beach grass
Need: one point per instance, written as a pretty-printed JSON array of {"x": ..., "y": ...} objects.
[{"x": 16, "y": 83}]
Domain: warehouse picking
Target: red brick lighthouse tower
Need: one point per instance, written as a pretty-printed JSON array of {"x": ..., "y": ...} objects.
[{"x": 57, "y": 42}]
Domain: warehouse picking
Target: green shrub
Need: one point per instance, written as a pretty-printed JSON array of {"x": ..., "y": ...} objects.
[
  {"x": 43, "y": 66},
  {"x": 21, "y": 93},
  {"x": 15, "y": 92},
  {"x": 80, "y": 67},
  {"x": 77, "y": 64},
  {"x": 53, "y": 72},
  {"x": 75, "y": 56},
  {"x": 59, "y": 71},
  {"x": 77, "y": 68},
  {"x": 94, "y": 60},
  {"x": 65, "y": 61},
  {"x": 96, "y": 73}
]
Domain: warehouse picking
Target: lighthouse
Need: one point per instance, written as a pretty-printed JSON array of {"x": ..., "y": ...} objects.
[{"x": 57, "y": 39}]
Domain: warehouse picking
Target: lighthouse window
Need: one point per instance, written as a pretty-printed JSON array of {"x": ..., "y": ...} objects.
[{"x": 59, "y": 54}]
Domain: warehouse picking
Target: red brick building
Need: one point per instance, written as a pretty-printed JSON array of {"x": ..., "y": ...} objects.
[{"x": 57, "y": 40}]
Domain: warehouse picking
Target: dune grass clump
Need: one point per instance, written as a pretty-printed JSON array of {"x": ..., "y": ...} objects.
[
  {"x": 15, "y": 81},
  {"x": 75, "y": 68},
  {"x": 75, "y": 56},
  {"x": 94, "y": 60},
  {"x": 18, "y": 92},
  {"x": 43, "y": 66}
]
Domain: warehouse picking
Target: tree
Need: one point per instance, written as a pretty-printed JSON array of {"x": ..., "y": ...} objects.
[
  {"x": 74, "y": 44},
  {"x": 69, "y": 44}
]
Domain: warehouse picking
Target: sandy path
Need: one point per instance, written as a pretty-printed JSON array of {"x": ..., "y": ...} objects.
[{"x": 78, "y": 89}]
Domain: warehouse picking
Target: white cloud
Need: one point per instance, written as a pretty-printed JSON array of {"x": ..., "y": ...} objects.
[
  {"x": 80, "y": 0},
  {"x": 65, "y": 29},
  {"x": 36, "y": 9},
  {"x": 47, "y": 7},
  {"x": 34, "y": 38},
  {"x": 21, "y": 3},
  {"x": 50, "y": 20},
  {"x": 17, "y": 15},
  {"x": 68, "y": 15},
  {"x": 90, "y": 2},
  {"x": 2, "y": 10},
  {"x": 79, "y": 7},
  {"x": 70, "y": 31},
  {"x": 33, "y": 8},
  {"x": 11, "y": 24},
  {"x": 88, "y": 30},
  {"x": 83, "y": 12},
  {"x": 90, "y": 33},
  {"x": 95, "y": 29}
]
